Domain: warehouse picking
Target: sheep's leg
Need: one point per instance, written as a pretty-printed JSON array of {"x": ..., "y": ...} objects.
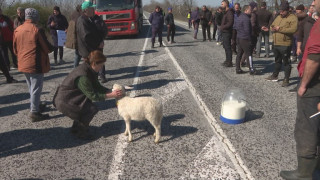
[
  {"x": 157, "y": 126},
  {"x": 128, "y": 129}
]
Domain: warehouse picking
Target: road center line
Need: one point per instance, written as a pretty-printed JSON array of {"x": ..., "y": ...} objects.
[
  {"x": 241, "y": 168},
  {"x": 117, "y": 165}
]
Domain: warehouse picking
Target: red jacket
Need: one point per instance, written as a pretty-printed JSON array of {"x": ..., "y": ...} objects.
[
  {"x": 312, "y": 46},
  {"x": 7, "y": 29}
]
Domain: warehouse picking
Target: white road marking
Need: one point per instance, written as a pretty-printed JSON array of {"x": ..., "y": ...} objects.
[
  {"x": 117, "y": 165},
  {"x": 230, "y": 150}
]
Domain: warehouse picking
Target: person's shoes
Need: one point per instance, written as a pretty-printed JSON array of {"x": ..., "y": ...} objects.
[
  {"x": 254, "y": 72},
  {"x": 218, "y": 43},
  {"x": 161, "y": 44},
  {"x": 285, "y": 83},
  {"x": 305, "y": 169},
  {"x": 62, "y": 61},
  {"x": 228, "y": 64},
  {"x": 11, "y": 80},
  {"x": 272, "y": 78},
  {"x": 294, "y": 90},
  {"x": 152, "y": 46},
  {"x": 37, "y": 116},
  {"x": 239, "y": 71}
]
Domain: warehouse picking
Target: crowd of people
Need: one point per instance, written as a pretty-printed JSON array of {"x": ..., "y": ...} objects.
[{"x": 240, "y": 29}]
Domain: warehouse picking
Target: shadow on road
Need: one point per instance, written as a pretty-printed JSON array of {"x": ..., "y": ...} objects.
[
  {"x": 253, "y": 115},
  {"x": 154, "y": 84},
  {"x": 14, "y": 109},
  {"x": 141, "y": 74},
  {"x": 128, "y": 70},
  {"x": 12, "y": 98},
  {"x": 134, "y": 53},
  {"x": 54, "y": 76}
]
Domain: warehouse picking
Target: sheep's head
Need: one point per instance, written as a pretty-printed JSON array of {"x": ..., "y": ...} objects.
[{"x": 118, "y": 87}]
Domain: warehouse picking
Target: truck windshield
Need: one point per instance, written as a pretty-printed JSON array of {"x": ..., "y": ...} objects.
[{"x": 114, "y": 5}]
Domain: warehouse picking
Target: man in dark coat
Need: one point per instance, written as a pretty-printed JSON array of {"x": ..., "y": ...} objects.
[
  {"x": 195, "y": 16},
  {"x": 171, "y": 28},
  {"x": 88, "y": 36},
  {"x": 255, "y": 27},
  {"x": 206, "y": 21},
  {"x": 264, "y": 21},
  {"x": 218, "y": 21},
  {"x": 57, "y": 21},
  {"x": 237, "y": 12},
  {"x": 226, "y": 28},
  {"x": 156, "y": 19}
]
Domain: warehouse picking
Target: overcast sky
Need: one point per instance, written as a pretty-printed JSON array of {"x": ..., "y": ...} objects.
[{"x": 199, "y": 2}]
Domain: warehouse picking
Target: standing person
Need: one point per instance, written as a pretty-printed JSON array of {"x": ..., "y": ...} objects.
[
  {"x": 301, "y": 15},
  {"x": 189, "y": 19},
  {"x": 215, "y": 27},
  {"x": 195, "y": 16},
  {"x": 219, "y": 16},
  {"x": 33, "y": 59},
  {"x": 283, "y": 28},
  {"x": 88, "y": 35},
  {"x": 156, "y": 19},
  {"x": 311, "y": 10},
  {"x": 244, "y": 35},
  {"x": 3, "y": 66},
  {"x": 7, "y": 33},
  {"x": 57, "y": 21},
  {"x": 306, "y": 131},
  {"x": 264, "y": 18},
  {"x": 72, "y": 35},
  {"x": 74, "y": 96},
  {"x": 226, "y": 28},
  {"x": 237, "y": 12},
  {"x": 20, "y": 18},
  {"x": 206, "y": 20},
  {"x": 171, "y": 28},
  {"x": 255, "y": 26},
  {"x": 103, "y": 30}
]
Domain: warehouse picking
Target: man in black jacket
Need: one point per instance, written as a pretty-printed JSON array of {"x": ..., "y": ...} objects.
[
  {"x": 226, "y": 28},
  {"x": 171, "y": 31},
  {"x": 264, "y": 21},
  {"x": 88, "y": 36},
  {"x": 218, "y": 20},
  {"x": 206, "y": 20}
]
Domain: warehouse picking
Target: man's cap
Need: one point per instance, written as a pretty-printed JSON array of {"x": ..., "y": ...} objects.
[
  {"x": 300, "y": 7},
  {"x": 87, "y": 4},
  {"x": 31, "y": 13},
  {"x": 284, "y": 6}
]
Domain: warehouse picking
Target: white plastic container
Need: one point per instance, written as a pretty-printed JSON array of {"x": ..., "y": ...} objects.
[{"x": 233, "y": 108}]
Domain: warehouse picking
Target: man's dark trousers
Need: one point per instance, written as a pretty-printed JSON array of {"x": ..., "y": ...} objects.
[
  {"x": 306, "y": 131},
  {"x": 244, "y": 47},
  {"x": 282, "y": 56},
  {"x": 171, "y": 32},
  {"x": 226, "y": 36},
  {"x": 206, "y": 29},
  {"x": 156, "y": 31}
]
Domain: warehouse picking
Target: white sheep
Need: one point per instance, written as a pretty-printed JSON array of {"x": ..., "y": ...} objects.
[{"x": 139, "y": 109}]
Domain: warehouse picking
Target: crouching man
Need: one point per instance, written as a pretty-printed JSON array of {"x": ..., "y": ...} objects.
[{"x": 74, "y": 96}]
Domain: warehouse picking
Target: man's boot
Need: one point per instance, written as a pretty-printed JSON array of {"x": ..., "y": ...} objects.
[
  {"x": 152, "y": 46},
  {"x": 161, "y": 44},
  {"x": 304, "y": 171},
  {"x": 83, "y": 132}
]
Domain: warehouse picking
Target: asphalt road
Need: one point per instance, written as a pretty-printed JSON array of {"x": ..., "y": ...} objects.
[{"x": 189, "y": 80}]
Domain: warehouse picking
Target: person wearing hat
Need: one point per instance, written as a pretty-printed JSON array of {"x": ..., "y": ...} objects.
[
  {"x": 20, "y": 17},
  {"x": 57, "y": 21},
  {"x": 171, "y": 30},
  {"x": 283, "y": 28},
  {"x": 33, "y": 59},
  {"x": 88, "y": 36},
  {"x": 264, "y": 18},
  {"x": 156, "y": 19}
]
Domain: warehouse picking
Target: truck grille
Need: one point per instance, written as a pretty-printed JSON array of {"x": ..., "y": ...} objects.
[
  {"x": 117, "y": 16},
  {"x": 117, "y": 24}
]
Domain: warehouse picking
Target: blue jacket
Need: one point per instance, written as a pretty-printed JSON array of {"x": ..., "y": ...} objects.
[
  {"x": 243, "y": 27},
  {"x": 156, "y": 19}
]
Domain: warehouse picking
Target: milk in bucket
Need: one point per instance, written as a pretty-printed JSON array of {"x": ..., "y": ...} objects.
[{"x": 233, "y": 108}]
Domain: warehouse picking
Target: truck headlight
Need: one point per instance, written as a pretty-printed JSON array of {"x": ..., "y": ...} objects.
[{"x": 133, "y": 26}]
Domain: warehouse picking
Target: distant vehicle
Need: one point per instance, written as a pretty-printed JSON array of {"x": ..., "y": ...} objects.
[{"x": 123, "y": 17}]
